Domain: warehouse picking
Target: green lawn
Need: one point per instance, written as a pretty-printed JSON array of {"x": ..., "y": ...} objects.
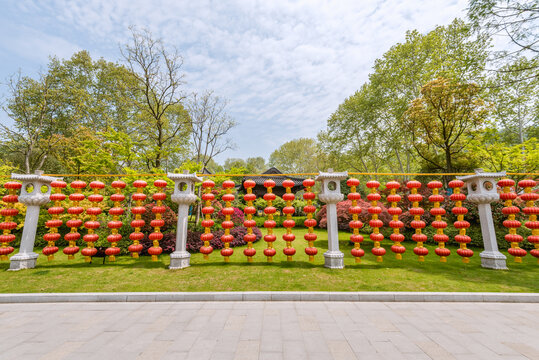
[{"x": 129, "y": 274}]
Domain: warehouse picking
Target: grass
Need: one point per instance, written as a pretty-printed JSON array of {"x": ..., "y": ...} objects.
[{"x": 128, "y": 274}]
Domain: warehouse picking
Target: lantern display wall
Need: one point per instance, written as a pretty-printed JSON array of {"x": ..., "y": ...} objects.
[{"x": 89, "y": 214}]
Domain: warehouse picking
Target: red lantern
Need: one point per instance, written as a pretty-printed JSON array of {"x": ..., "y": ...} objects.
[
  {"x": 437, "y": 211},
  {"x": 137, "y": 223},
  {"x": 249, "y": 223},
  {"x": 355, "y": 224},
  {"x": 460, "y": 224},
  {"x": 310, "y": 223},
  {"x": 157, "y": 223},
  {"x": 511, "y": 223},
  {"x": 8, "y": 212},
  {"x": 75, "y": 210},
  {"x": 375, "y": 223},
  {"x": 417, "y": 223},
  {"x": 115, "y": 224},
  {"x": 52, "y": 236},
  {"x": 92, "y": 224},
  {"x": 207, "y": 223},
  {"x": 269, "y": 224},
  {"x": 532, "y": 211},
  {"x": 395, "y": 223},
  {"x": 288, "y": 223},
  {"x": 228, "y": 185}
]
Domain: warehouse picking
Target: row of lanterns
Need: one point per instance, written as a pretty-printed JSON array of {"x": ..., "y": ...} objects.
[
  {"x": 74, "y": 223},
  {"x": 417, "y": 224},
  {"x": 75, "y": 210}
]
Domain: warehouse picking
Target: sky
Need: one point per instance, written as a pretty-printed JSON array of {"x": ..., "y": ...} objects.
[{"x": 284, "y": 66}]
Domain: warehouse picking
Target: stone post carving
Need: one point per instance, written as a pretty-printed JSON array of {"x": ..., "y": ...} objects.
[
  {"x": 482, "y": 191},
  {"x": 184, "y": 195},
  {"x": 331, "y": 195},
  {"x": 33, "y": 196}
]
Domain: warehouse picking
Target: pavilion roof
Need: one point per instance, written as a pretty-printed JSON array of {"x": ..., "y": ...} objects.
[{"x": 259, "y": 180}]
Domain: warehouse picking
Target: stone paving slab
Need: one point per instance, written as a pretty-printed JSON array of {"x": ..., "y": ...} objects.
[
  {"x": 271, "y": 295},
  {"x": 269, "y": 330}
]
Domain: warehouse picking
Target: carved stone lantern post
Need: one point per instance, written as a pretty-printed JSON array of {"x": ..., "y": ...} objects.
[
  {"x": 35, "y": 191},
  {"x": 482, "y": 191},
  {"x": 331, "y": 195},
  {"x": 184, "y": 195}
]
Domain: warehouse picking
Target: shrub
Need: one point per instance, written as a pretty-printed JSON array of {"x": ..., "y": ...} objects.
[
  {"x": 169, "y": 216},
  {"x": 237, "y": 218},
  {"x": 168, "y": 243}
]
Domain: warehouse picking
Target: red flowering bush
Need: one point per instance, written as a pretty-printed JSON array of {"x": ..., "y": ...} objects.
[
  {"x": 170, "y": 217},
  {"x": 237, "y": 217},
  {"x": 344, "y": 217},
  {"x": 168, "y": 243}
]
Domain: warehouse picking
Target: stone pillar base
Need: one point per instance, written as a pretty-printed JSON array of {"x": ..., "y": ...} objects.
[
  {"x": 22, "y": 261},
  {"x": 179, "y": 260},
  {"x": 493, "y": 260},
  {"x": 334, "y": 260}
]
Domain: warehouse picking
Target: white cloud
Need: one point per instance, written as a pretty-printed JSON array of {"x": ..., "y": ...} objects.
[{"x": 285, "y": 66}]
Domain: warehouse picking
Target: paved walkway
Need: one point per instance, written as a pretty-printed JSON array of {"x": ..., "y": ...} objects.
[{"x": 269, "y": 330}]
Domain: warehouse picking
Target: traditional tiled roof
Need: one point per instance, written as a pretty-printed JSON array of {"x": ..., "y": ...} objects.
[{"x": 259, "y": 180}]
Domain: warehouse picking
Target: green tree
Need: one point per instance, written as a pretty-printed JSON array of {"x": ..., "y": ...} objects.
[
  {"x": 35, "y": 107},
  {"x": 296, "y": 156},
  {"x": 157, "y": 94},
  {"x": 496, "y": 155},
  {"x": 367, "y": 132},
  {"x": 255, "y": 165},
  {"x": 442, "y": 120},
  {"x": 515, "y": 19},
  {"x": 515, "y": 95}
]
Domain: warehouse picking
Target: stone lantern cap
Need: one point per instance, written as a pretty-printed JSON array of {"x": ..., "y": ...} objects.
[
  {"x": 331, "y": 186},
  {"x": 184, "y": 189},
  {"x": 37, "y": 196},
  {"x": 330, "y": 175},
  {"x": 184, "y": 176},
  {"x": 481, "y": 187},
  {"x": 480, "y": 173},
  {"x": 37, "y": 177}
]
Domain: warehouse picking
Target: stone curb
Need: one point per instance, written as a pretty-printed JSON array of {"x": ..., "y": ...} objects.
[{"x": 272, "y": 296}]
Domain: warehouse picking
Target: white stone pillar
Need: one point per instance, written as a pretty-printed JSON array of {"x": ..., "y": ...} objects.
[
  {"x": 26, "y": 258},
  {"x": 331, "y": 195},
  {"x": 482, "y": 191},
  {"x": 184, "y": 195}
]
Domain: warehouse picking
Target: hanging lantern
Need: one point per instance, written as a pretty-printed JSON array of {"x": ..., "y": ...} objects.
[
  {"x": 207, "y": 223},
  {"x": 159, "y": 209},
  {"x": 437, "y": 211},
  {"x": 55, "y": 210},
  {"x": 228, "y": 210},
  {"x": 269, "y": 224},
  {"x": 309, "y": 223},
  {"x": 289, "y": 251},
  {"x": 532, "y": 212},
  {"x": 9, "y": 212},
  {"x": 92, "y": 224},
  {"x": 74, "y": 223},
  {"x": 395, "y": 223},
  {"x": 511, "y": 223},
  {"x": 417, "y": 223},
  {"x": 355, "y": 224},
  {"x": 460, "y": 224},
  {"x": 249, "y": 223},
  {"x": 138, "y": 222},
  {"x": 115, "y": 223},
  {"x": 375, "y": 223}
]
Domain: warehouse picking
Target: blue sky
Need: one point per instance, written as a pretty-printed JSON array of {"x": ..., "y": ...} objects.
[{"x": 285, "y": 66}]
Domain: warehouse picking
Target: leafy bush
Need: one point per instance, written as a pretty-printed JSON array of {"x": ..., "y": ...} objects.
[
  {"x": 170, "y": 217},
  {"x": 237, "y": 217},
  {"x": 168, "y": 243}
]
